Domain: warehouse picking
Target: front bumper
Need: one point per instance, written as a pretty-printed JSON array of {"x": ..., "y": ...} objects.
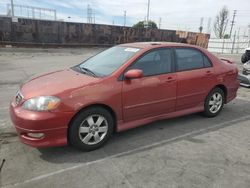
[
  {"x": 53, "y": 126},
  {"x": 244, "y": 80}
]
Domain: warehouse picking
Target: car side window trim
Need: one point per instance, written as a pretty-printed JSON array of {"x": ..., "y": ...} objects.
[
  {"x": 209, "y": 61},
  {"x": 121, "y": 77},
  {"x": 195, "y": 49}
]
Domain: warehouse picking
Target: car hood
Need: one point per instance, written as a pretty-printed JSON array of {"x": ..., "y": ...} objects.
[{"x": 58, "y": 83}]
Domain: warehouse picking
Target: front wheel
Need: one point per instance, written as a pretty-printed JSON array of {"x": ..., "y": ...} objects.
[
  {"x": 214, "y": 102},
  {"x": 91, "y": 128}
]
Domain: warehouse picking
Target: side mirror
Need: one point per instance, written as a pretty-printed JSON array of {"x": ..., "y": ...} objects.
[{"x": 133, "y": 73}]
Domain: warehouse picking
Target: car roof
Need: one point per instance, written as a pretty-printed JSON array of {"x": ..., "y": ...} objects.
[{"x": 151, "y": 45}]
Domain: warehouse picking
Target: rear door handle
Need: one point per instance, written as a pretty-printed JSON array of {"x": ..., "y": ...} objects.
[
  {"x": 170, "y": 79},
  {"x": 208, "y": 73}
]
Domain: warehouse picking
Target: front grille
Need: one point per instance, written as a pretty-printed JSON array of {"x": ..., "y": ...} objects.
[{"x": 18, "y": 98}]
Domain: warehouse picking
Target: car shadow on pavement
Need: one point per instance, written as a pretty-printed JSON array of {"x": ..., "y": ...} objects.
[{"x": 153, "y": 135}]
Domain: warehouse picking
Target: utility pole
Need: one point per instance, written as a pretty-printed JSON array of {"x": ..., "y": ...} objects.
[
  {"x": 201, "y": 25},
  {"x": 12, "y": 9},
  {"x": 232, "y": 23},
  {"x": 148, "y": 12},
  {"x": 40, "y": 13},
  {"x": 33, "y": 12},
  {"x": 159, "y": 23},
  {"x": 223, "y": 44},
  {"x": 232, "y": 50},
  {"x": 249, "y": 35},
  {"x": 238, "y": 40},
  {"x": 55, "y": 17},
  {"x": 209, "y": 25},
  {"x": 125, "y": 17}
]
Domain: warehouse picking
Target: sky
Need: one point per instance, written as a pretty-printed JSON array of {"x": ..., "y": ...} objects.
[{"x": 174, "y": 14}]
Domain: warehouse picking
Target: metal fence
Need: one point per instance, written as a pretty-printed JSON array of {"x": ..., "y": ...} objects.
[{"x": 228, "y": 46}]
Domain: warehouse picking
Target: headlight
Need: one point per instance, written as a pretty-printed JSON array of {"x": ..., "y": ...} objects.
[{"x": 42, "y": 103}]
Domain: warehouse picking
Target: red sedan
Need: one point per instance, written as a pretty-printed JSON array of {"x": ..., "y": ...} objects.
[{"x": 121, "y": 88}]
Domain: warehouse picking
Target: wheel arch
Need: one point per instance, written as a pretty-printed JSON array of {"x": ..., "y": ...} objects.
[
  {"x": 108, "y": 108},
  {"x": 224, "y": 89}
]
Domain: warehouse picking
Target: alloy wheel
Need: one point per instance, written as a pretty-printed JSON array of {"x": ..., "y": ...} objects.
[
  {"x": 215, "y": 102},
  {"x": 93, "y": 129}
]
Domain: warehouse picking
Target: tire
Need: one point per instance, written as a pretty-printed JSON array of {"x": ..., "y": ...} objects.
[
  {"x": 244, "y": 58},
  {"x": 91, "y": 129},
  {"x": 215, "y": 99}
]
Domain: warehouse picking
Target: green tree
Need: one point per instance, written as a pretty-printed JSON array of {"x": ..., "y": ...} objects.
[{"x": 143, "y": 24}]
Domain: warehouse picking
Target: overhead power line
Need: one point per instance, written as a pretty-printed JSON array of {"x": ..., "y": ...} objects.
[
  {"x": 24, "y": 11},
  {"x": 90, "y": 15}
]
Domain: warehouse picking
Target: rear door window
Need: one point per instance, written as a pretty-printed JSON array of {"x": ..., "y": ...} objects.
[{"x": 189, "y": 59}]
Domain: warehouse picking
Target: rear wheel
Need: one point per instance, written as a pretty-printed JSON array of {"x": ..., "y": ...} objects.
[
  {"x": 214, "y": 102},
  {"x": 91, "y": 128}
]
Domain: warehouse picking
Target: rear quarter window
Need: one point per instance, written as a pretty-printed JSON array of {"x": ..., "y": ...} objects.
[{"x": 207, "y": 62}]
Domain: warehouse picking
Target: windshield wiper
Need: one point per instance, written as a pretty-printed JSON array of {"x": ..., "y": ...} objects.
[{"x": 86, "y": 70}]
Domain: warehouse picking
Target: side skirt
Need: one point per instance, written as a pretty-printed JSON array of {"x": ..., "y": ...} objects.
[{"x": 122, "y": 126}]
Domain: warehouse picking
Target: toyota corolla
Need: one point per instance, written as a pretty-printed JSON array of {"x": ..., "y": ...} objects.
[{"x": 121, "y": 88}]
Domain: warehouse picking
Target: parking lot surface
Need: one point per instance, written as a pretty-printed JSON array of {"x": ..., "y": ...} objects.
[{"x": 190, "y": 151}]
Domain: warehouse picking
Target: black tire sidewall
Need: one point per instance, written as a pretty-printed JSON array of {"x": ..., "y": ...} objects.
[
  {"x": 76, "y": 122},
  {"x": 207, "y": 111},
  {"x": 243, "y": 58}
]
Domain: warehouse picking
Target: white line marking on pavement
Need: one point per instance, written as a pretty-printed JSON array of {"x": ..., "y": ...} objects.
[
  {"x": 124, "y": 153},
  {"x": 4, "y": 108}
]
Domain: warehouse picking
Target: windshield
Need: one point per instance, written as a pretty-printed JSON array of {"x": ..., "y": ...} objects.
[{"x": 108, "y": 61}]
